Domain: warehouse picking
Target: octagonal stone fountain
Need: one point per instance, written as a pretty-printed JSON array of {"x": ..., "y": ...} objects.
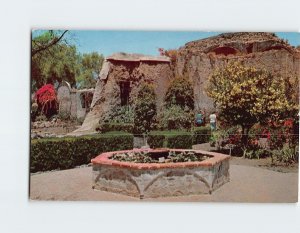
[{"x": 150, "y": 173}]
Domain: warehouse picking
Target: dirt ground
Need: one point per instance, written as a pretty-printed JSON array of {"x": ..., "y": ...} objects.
[{"x": 250, "y": 181}]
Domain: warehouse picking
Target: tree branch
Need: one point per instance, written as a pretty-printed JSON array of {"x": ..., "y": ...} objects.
[{"x": 51, "y": 43}]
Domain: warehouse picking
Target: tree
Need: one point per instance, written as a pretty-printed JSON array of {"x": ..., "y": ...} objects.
[
  {"x": 246, "y": 95},
  {"x": 90, "y": 67},
  {"x": 46, "y": 41},
  {"x": 145, "y": 109},
  {"x": 54, "y": 60},
  {"x": 181, "y": 93},
  {"x": 56, "y": 63}
]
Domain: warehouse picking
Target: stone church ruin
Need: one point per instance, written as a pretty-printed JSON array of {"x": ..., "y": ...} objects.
[
  {"x": 121, "y": 74},
  {"x": 119, "y": 82},
  {"x": 74, "y": 104}
]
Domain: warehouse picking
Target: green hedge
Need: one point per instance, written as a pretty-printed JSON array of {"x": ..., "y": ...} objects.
[
  {"x": 68, "y": 152},
  {"x": 170, "y": 139},
  {"x": 201, "y": 135},
  {"x": 125, "y": 127},
  {"x": 155, "y": 140},
  {"x": 179, "y": 139}
]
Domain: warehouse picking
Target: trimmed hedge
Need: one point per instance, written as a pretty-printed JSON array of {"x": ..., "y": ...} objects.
[
  {"x": 170, "y": 139},
  {"x": 156, "y": 140},
  {"x": 68, "y": 152},
  {"x": 179, "y": 139},
  {"x": 125, "y": 127},
  {"x": 201, "y": 135}
]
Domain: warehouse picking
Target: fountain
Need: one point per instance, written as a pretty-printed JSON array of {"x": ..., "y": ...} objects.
[{"x": 150, "y": 173}]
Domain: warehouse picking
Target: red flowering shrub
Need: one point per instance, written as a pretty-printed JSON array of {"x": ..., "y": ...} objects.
[
  {"x": 277, "y": 133},
  {"x": 288, "y": 123},
  {"x": 234, "y": 135},
  {"x": 47, "y": 100}
]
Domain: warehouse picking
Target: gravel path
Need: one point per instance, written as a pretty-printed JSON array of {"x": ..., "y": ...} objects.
[{"x": 247, "y": 184}]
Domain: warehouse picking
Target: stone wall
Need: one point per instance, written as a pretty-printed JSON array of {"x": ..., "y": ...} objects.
[
  {"x": 70, "y": 102},
  {"x": 64, "y": 100},
  {"x": 199, "y": 59},
  {"x": 160, "y": 179},
  {"x": 131, "y": 68}
]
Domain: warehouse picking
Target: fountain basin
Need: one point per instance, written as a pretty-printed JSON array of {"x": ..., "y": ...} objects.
[{"x": 150, "y": 180}]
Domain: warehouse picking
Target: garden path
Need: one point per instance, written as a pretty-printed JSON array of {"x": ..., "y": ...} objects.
[{"x": 247, "y": 184}]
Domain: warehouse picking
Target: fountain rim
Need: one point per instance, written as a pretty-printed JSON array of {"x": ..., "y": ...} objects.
[{"x": 104, "y": 159}]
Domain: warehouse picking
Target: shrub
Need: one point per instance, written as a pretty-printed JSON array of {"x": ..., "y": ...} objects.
[
  {"x": 247, "y": 95},
  {"x": 107, "y": 127},
  {"x": 145, "y": 109},
  {"x": 286, "y": 155},
  {"x": 175, "y": 117},
  {"x": 170, "y": 139},
  {"x": 46, "y": 100},
  {"x": 120, "y": 114},
  {"x": 201, "y": 135},
  {"x": 255, "y": 153},
  {"x": 181, "y": 93},
  {"x": 171, "y": 53},
  {"x": 181, "y": 141},
  {"x": 276, "y": 133},
  {"x": 34, "y": 111},
  {"x": 68, "y": 152},
  {"x": 155, "y": 140}
]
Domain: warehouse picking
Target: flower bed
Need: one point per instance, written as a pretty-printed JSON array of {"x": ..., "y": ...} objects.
[{"x": 161, "y": 156}]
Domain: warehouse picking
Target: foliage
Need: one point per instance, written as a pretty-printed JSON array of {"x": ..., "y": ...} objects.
[
  {"x": 172, "y": 157},
  {"x": 34, "y": 111},
  {"x": 91, "y": 65},
  {"x": 233, "y": 135},
  {"x": 46, "y": 40},
  {"x": 185, "y": 156},
  {"x": 214, "y": 138},
  {"x": 286, "y": 154},
  {"x": 171, "y": 53},
  {"x": 276, "y": 133},
  {"x": 255, "y": 153},
  {"x": 120, "y": 115},
  {"x": 181, "y": 141},
  {"x": 59, "y": 63},
  {"x": 181, "y": 93},
  {"x": 174, "y": 117},
  {"x": 246, "y": 95},
  {"x": 155, "y": 139},
  {"x": 64, "y": 153},
  {"x": 41, "y": 117},
  {"x": 47, "y": 100},
  {"x": 228, "y": 136},
  {"x": 123, "y": 127},
  {"x": 201, "y": 135},
  {"x": 144, "y": 109},
  {"x": 134, "y": 157},
  {"x": 170, "y": 139}
]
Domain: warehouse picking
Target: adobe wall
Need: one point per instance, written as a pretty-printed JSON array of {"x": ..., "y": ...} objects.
[
  {"x": 107, "y": 92},
  {"x": 69, "y": 101},
  {"x": 199, "y": 61}
]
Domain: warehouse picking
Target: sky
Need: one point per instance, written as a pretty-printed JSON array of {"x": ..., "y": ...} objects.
[{"x": 144, "y": 42}]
